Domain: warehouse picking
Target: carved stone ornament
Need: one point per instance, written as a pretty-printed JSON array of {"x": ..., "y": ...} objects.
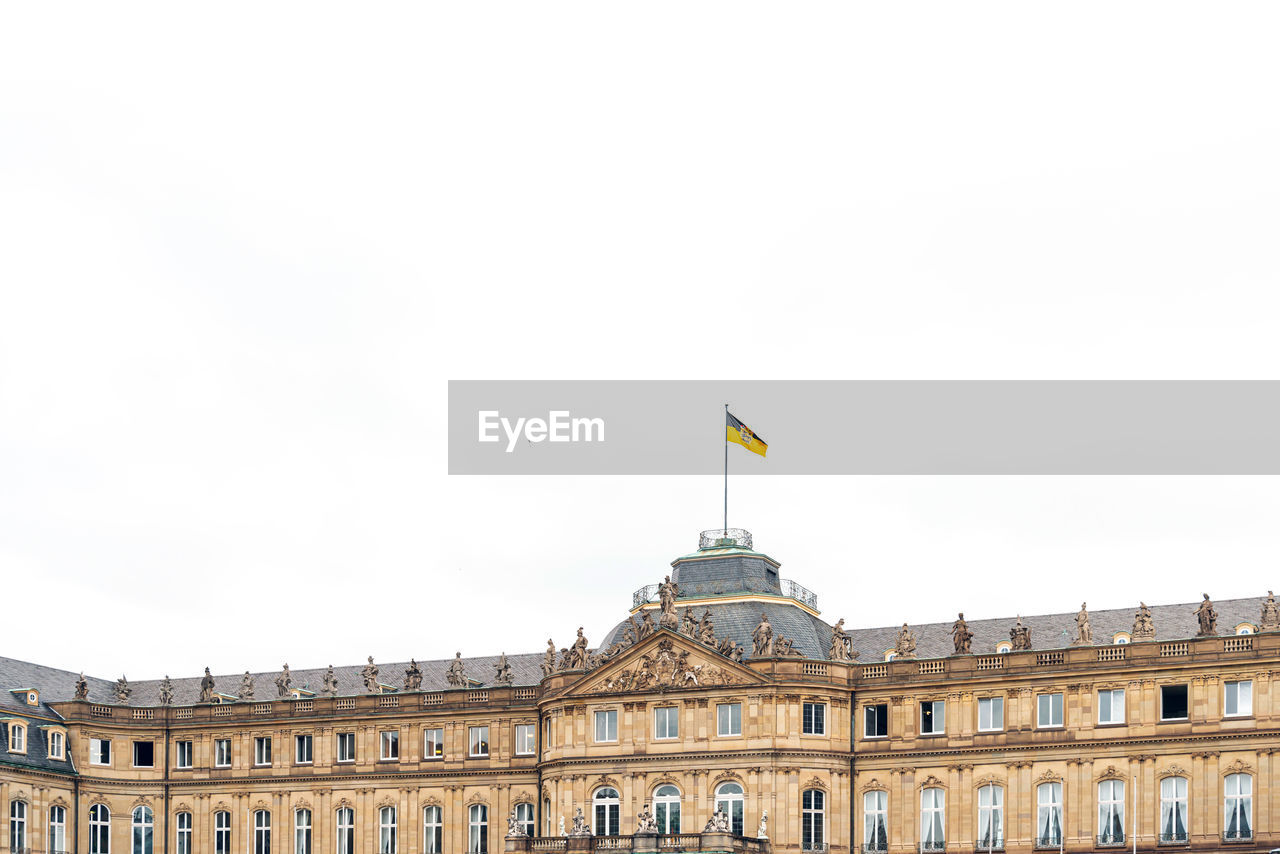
[
  {"x": 665, "y": 668},
  {"x": 123, "y": 691},
  {"x": 503, "y": 675},
  {"x": 719, "y": 822},
  {"x": 456, "y": 676},
  {"x": 412, "y": 676},
  {"x": 762, "y": 832},
  {"x": 905, "y": 648},
  {"x": 246, "y": 686},
  {"x": 1270, "y": 621},
  {"x": 841, "y": 646},
  {"x": 645, "y": 822},
  {"x": 932, "y": 782},
  {"x": 369, "y": 676},
  {"x": 579, "y": 824},
  {"x": 961, "y": 636},
  {"x": 874, "y": 785},
  {"x": 1049, "y": 777},
  {"x": 82, "y": 688},
  {"x": 1174, "y": 770},
  {"x": 330, "y": 682},
  {"x": 1144, "y": 627},
  {"x": 1020, "y": 635},
  {"x": 1110, "y": 774},
  {"x": 284, "y": 682},
  {"x": 514, "y": 829},
  {"x": 762, "y": 637},
  {"x": 166, "y": 691},
  {"x": 1238, "y": 767},
  {"x": 1207, "y": 617}
]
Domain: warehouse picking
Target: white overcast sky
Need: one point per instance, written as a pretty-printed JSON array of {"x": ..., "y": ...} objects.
[{"x": 243, "y": 248}]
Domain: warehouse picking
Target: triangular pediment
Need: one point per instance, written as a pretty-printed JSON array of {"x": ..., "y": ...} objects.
[{"x": 664, "y": 661}]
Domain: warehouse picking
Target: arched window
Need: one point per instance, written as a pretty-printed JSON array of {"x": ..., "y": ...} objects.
[
  {"x": 875, "y": 821},
  {"x": 17, "y": 738},
  {"x": 933, "y": 806},
  {"x": 1111, "y": 812},
  {"x": 1238, "y": 804},
  {"x": 17, "y": 825},
  {"x": 302, "y": 831},
  {"x": 58, "y": 829},
  {"x": 1049, "y": 815},
  {"x": 387, "y": 830},
  {"x": 346, "y": 825},
  {"x": 478, "y": 829},
  {"x": 524, "y": 818},
  {"x": 729, "y": 799},
  {"x": 666, "y": 809},
  {"x": 813, "y": 819},
  {"x": 433, "y": 831},
  {"x": 1173, "y": 809},
  {"x": 221, "y": 832},
  {"x": 990, "y": 817},
  {"x": 182, "y": 836},
  {"x": 143, "y": 827},
  {"x": 261, "y": 832},
  {"x": 99, "y": 829},
  {"x": 605, "y": 805}
]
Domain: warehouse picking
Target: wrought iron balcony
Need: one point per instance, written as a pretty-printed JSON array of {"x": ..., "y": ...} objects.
[
  {"x": 934, "y": 845},
  {"x": 1052, "y": 840},
  {"x": 790, "y": 589},
  {"x": 725, "y": 538},
  {"x": 988, "y": 845},
  {"x": 875, "y": 847},
  {"x": 1238, "y": 836},
  {"x": 1173, "y": 838},
  {"x": 1110, "y": 840}
]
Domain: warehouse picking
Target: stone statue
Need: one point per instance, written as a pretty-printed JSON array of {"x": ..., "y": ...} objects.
[
  {"x": 668, "y": 590},
  {"x": 762, "y": 832},
  {"x": 839, "y": 643},
  {"x": 647, "y": 627},
  {"x": 579, "y": 824},
  {"x": 1208, "y": 618},
  {"x": 549, "y": 659},
  {"x": 737, "y": 653},
  {"x": 369, "y": 676},
  {"x": 206, "y": 687},
  {"x": 578, "y": 652},
  {"x": 762, "y": 637},
  {"x": 1020, "y": 635},
  {"x": 1084, "y": 634},
  {"x": 906, "y": 645},
  {"x": 689, "y": 626},
  {"x": 457, "y": 673},
  {"x": 629, "y": 634},
  {"x": 645, "y": 822},
  {"x": 562, "y": 833},
  {"x": 82, "y": 688},
  {"x": 726, "y": 647},
  {"x": 413, "y": 676},
  {"x": 1144, "y": 628},
  {"x": 719, "y": 822},
  {"x": 503, "y": 676},
  {"x": 514, "y": 829},
  {"x": 123, "y": 691},
  {"x": 246, "y": 686},
  {"x": 782, "y": 647},
  {"x": 284, "y": 681},
  {"x": 1270, "y": 614},
  {"x": 707, "y": 629},
  {"x": 166, "y": 691},
  {"x": 961, "y": 635},
  {"x": 330, "y": 682}
]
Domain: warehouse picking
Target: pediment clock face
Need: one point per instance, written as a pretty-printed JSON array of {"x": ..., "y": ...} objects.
[{"x": 667, "y": 665}]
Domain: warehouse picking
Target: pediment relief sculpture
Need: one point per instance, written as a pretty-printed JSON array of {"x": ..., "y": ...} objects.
[{"x": 666, "y": 666}]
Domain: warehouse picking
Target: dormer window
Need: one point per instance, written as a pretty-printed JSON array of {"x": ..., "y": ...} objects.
[
  {"x": 57, "y": 744},
  {"x": 17, "y": 737},
  {"x": 30, "y": 696}
]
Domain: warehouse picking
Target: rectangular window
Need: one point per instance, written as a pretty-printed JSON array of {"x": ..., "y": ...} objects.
[
  {"x": 814, "y": 719},
  {"x": 346, "y": 747},
  {"x": 1239, "y": 699},
  {"x": 57, "y": 745},
  {"x": 666, "y": 722},
  {"x": 1111, "y": 706},
  {"x": 607, "y": 725},
  {"x": 433, "y": 743},
  {"x": 390, "y": 742},
  {"x": 144, "y": 754},
  {"x": 525, "y": 740},
  {"x": 183, "y": 750},
  {"x": 875, "y": 721},
  {"x": 478, "y": 741},
  {"x": 222, "y": 753},
  {"x": 262, "y": 750},
  {"x": 933, "y": 717},
  {"x": 729, "y": 719},
  {"x": 99, "y": 751},
  {"x": 303, "y": 753},
  {"x": 1048, "y": 711},
  {"x": 1173, "y": 702},
  {"x": 990, "y": 714}
]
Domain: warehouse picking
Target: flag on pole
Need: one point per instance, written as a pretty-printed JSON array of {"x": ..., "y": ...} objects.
[{"x": 736, "y": 431}]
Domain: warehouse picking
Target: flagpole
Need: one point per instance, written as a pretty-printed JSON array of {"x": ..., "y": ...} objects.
[{"x": 726, "y": 475}]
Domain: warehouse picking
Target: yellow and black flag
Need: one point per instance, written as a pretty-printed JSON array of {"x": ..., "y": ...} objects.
[{"x": 736, "y": 431}]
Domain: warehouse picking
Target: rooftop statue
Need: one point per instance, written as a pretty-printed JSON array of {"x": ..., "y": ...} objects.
[
  {"x": 166, "y": 691},
  {"x": 762, "y": 637},
  {"x": 1084, "y": 634},
  {"x": 82, "y": 688},
  {"x": 549, "y": 658},
  {"x": 123, "y": 691},
  {"x": 456, "y": 676},
  {"x": 1208, "y": 618},
  {"x": 647, "y": 627},
  {"x": 246, "y": 686},
  {"x": 668, "y": 590},
  {"x": 503, "y": 676},
  {"x": 1270, "y": 614},
  {"x": 961, "y": 636},
  {"x": 707, "y": 629},
  {"x": 906, "y": 645},
  {"x": 284, "y": 681},
  {"x": 330, "y": 682},
  {"x": 840, "y": 643},
  {"x": 689, "y": 625},
  {"x": 1020, "y": 635},
  {"x": 369, "y": 675},
  {"x": 1144, "y": 628},
  {"x": 206, "y": 687},
  {"x": 413, "y": 676},
  {"x": 578, "y": 652}
]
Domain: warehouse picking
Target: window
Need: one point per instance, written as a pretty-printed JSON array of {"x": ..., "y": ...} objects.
[
  {"x": 99, "y": 751},
  {"x": 1238, "y": 806},
  {"x": 182, "y": 754},
  {"x": 1048, "y": 710},
  {"x": 303, "y": 750},
  {"x": 729, "y": 798},
  {"x": 875, "y": 721},
  {"x": 1238, "y": 700},
  {"x": 479, "y": 741},
  {"x": 261, "y": 832},
  {"x": 346, "y": 823},
  {"x": 875, "y": 821},
  {"x": 387, "y": 830},
  {"x": 990, "y": 714},
  {"x": 813, "y": 719},
  {"x": 607, "y": 725},
  {"x": 990, "y": 817},
  {"x": 524, "y": 818},
  {"x": 813, "y": 818},
  {"x": 1173, "y": 702},
  {"x": 546, "y": 816},
  {"x": 57, "y": 745},
  {"x": 182, "y": 839},
  {"x": 100, "y": 830},
  {"x": 933, "y": 717},
  {"x": 1173, "y": 809},
  {"x": 346, "y": 747},
  {"x": 933, "y": 834},
  {"x": 390, "y": 742},
  {"x": 262, "y": 750},
  {"x": 478, "y": 829},
  {"x": 729, "y": 719},
  {"x": 604, "y": 818},
  {"x": 222, "y": 832},
  {"x": 58, "y": 829},
  {"x": 666, "y": 809},
  {"x": 526, "y": 744},
  {"x": 1048, "y": 815},
  {"x": 302, "y": 831},
  {"x": 1111, "y": 706},
  {"x": 144, "y": 754},
  {"x": 433, "y": 831},
  {"x": 143, "y": 828},
  {"x": 17, "y": 825},
  {"x": 433, "y": 743},
  {"x": 666, "y": 722},
  {"x": 222, "y": 753},
  {"x": 17, "y": 738},
  {"x": 1111, "y": 812}
]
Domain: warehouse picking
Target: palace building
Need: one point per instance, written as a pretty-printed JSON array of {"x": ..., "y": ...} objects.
[{"x": 723, "y": 713}]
